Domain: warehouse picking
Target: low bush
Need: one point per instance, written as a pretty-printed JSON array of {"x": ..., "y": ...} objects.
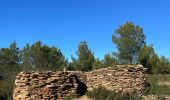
[
  {"x": 104, "y": 94},
  {"x": 71, "y": 97},
  {"x": 155, "y": 88}
]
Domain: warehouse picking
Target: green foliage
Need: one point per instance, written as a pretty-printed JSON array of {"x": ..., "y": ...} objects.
[
  {"x": 9, "y": 67},
  {"x": 145, "y": 55},
  {"x": 9, "y": 56},
  {"x": 34, "y": 57},
  {"x": 129, "y": 38},
  {"x": 163, "y": 65},
  {"x": 155, "y": 88},
  {"x": 97, "y": 64},
  {"x": 154, "y": 64},
  {"x": 109, "y": 60},
  {"x": 85, "y": 58},
  {"x": 42, "y": 57},
  {"x": 104, "y": 94},
  {"x": 70, "y": 97},
  {"x": 6, "y": 86}
]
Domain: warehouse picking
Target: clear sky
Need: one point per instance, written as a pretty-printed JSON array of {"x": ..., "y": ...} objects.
[{"x": 64, "y": 23}]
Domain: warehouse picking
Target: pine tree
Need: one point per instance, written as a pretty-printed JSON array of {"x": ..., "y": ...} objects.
[
  {"x": 85, "y": 57},
  {"x": 129, "y": 38}
]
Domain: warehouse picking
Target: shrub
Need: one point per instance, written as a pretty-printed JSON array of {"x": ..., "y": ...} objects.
[
  {"x": 154, "y": 88},
  {"x": 71, "y": 97},
  {"x": 104, "y": 94}
]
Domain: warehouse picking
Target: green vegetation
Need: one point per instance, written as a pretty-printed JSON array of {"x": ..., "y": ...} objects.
[
  {"x": 34, "y": 57},
  {"x": 104, "y": 94},
  {"x": 42, "y": 57},
  {"x": 71, "y": 97},
  {"x": 155, "y": 88},
  {"x": 85, "y": 58},
  {"x": 132, "y": 49},
  {"x": 129, "y": 38},
  {"x": 155, "y": 64}
]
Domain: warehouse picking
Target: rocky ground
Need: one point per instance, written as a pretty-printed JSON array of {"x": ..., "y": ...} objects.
[
  {"x": 154, "y": 97},
  {"x": 83, "y": 98}
]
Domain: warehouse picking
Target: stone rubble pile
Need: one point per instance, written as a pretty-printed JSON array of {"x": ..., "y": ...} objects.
[
  {"x": 118, "y": 78},
  {"x": 58, "y": 85},
  {"x": 45, "y": 85}
]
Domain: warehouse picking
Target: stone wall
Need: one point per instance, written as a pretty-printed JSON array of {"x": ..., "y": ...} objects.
[
  {"x": 52, "y": 85},
  {"x": 48, "y": 85},
  {"x": 119, "y": 78}
]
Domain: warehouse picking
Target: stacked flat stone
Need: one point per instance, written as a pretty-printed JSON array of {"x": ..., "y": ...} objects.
[
  {"x": 58, "y": 85},
  {"x": 45, "y": 85},
  {"x": 118, "y": 78}
]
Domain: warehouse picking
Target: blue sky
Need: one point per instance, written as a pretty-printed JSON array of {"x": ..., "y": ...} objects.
[{"x": 64, "y": 23}]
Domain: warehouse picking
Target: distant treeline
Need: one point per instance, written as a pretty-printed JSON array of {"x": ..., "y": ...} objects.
[{"x": 129, "y": 39}]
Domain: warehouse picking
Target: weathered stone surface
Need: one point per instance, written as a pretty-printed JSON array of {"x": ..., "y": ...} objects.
[
  {"x": 119, "y": 78},
  {"x": 56, "y": 85},
  {"x": 45, "y": 85}
]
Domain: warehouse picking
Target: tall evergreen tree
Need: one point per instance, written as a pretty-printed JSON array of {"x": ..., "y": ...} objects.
[
  {"x": 145, "y": 55},
  {"x": 129, "y": 38},
  {"x": 43, "y": 57},
  {"x": 154, "y": 64},
  {"x": 85, "y": 57},
  {"x": 9, "y": 57},
  {"x": 9, "y": 67}
]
